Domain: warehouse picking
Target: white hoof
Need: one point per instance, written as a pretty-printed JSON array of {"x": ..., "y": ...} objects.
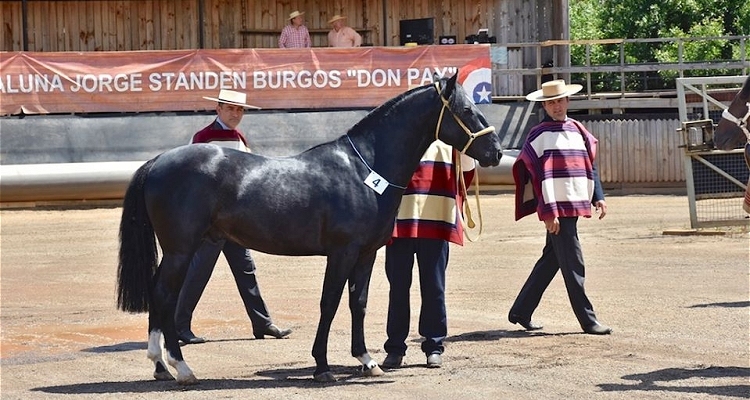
[{"x": 374, "y": 371}]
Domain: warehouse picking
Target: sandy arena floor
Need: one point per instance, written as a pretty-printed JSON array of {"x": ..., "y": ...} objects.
[{"x": 680, "y": 307}]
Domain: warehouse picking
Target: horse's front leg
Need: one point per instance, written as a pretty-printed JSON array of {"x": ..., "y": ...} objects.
[
  {"x": 333, "y": 286},
  {"x": 359, "y": 283},
  {"x": 166, "y": 291}
]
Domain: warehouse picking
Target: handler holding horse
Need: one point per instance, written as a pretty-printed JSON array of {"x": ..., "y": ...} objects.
[{"x": 337, "y": 199}]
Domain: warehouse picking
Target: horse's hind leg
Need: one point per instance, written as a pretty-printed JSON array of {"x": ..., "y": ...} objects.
[
  {"x": 167, "y": 287},
  {"x": 359, "y": 282},
  {"x": 154, "y": 353}
]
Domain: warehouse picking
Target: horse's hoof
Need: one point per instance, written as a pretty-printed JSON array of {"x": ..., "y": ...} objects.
[
  {"x": 324, "y": 377},
  {"x": 161, "y": 373},
  {"x": 374, "y": 371},
  {"x": 163, "y": 376},
  {"x": 188, "y": 380}
]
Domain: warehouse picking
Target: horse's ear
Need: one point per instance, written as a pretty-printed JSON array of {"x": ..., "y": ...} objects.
[
  {"x": 453, "y": 79},
  {"x": 450, "y": 85}
]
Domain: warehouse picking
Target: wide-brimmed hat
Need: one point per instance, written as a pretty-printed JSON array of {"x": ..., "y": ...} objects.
[
  {"x": 554, "y": 90},
  {"x": 231, "y": 97},
  {"x": 295, "y": 14},
  {"x": 336, "y": 18}
]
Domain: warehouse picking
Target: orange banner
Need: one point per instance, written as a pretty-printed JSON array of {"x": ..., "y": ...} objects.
[{"x": 147, "y": 81}]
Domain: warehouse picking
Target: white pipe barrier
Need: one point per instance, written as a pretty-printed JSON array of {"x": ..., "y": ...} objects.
[
  {"x": 108, "y": 180},
  {"x": 70, "y": 181}
]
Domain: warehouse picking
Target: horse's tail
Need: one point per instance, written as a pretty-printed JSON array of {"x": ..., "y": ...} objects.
[{"x": 138, "y": 253}]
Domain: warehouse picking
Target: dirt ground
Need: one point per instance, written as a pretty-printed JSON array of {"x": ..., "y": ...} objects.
[{"x": 679, "y": 306}]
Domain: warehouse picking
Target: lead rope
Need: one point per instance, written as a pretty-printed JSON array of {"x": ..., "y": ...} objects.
[{"x": 469, "y": 222}]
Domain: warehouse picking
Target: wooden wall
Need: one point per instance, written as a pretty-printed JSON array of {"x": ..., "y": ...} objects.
[{"x": 117, "y": 25}]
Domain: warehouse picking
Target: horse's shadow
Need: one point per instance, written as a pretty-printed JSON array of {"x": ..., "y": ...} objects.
[
  {"x": 272, "y": 379},
  {"x": 649, "y": 381},
  {"x": 499, "y": 334}
]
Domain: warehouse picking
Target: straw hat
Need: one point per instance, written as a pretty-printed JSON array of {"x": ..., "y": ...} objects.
[
  {"x": 336, "y": 18},
  {"x": 554, "y": 90},
  {"x": 232, "y": 97},
  {"x": 295, "y": 14}
]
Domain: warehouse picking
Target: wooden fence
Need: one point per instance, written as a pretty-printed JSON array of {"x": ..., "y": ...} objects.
[{"x": 639, "y": 151}]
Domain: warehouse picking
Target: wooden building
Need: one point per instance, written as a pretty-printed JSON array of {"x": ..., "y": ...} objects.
[{"x": 119, "y": 25}]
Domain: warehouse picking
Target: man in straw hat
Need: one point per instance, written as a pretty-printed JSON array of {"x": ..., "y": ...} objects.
[
  {"x": 556, "y": 177},
  {"x": 230, "y": 107},
  {"x": 295, "y": 34},
  {"x": 341, "y": 35}
]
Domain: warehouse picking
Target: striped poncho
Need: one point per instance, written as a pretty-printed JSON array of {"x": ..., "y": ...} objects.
[
  {"x": 554, "y": 174},
  {"x": 431, "y": 204}
]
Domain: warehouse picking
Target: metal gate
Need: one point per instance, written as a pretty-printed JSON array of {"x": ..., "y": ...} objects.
[{"x": 716, "y": 179}]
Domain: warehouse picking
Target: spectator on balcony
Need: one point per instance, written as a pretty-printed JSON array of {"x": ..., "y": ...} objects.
[
  {"x": 295, "y": 35},
  {"x": 341, "y": 35}
]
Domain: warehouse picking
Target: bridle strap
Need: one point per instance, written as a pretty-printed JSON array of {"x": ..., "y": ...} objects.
[
  {"x": 472, "y": 135},
  {"x": 741, "y": 122}
]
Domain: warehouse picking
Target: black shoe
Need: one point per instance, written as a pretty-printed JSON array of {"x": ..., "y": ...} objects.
[
  {"x": 274, "y": 331},
  {"x": 597, "y": 329},
  {"x": 393, "y": 360},
  {"x": 524, "y": 322},
  {"x": 188, "y": 337}
]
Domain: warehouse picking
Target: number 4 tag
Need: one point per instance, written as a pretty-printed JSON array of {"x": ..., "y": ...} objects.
[{"x": 376, "y": 182}]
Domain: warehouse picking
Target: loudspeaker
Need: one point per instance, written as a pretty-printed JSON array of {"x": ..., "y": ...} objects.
[{"x": 447, "y": 40}]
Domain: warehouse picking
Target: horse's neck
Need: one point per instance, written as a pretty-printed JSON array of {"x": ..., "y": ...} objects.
[{"x": 400, "y": 138}]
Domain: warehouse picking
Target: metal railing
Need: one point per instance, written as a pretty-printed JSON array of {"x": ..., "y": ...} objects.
[{"x": 536, "y": 62}]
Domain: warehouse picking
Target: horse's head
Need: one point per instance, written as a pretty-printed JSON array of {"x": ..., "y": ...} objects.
[
  {"x": 733, "y": 128},
  {"x": 467, "y": 130}
]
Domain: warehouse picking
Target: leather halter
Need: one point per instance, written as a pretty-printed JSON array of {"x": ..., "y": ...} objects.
[
  {"x": 742, "y": 123},
  {"x": 472, "y": 135}
]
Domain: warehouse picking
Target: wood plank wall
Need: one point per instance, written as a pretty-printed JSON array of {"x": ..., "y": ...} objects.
[{"x": 118, "y": 25}]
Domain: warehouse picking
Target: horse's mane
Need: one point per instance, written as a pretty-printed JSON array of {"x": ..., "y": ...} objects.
[{"x": 383, "y": 110}]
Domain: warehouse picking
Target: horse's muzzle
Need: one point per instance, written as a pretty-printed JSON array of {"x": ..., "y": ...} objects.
[{"x": 493, "y": 160}]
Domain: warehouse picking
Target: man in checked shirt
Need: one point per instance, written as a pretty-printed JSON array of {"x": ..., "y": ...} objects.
[{"x": 295, "y": 35}]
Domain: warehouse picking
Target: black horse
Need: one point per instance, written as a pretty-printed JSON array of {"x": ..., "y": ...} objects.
[
  {"x": 733, "y": 130},
  {"x": 337, "y": 199}
]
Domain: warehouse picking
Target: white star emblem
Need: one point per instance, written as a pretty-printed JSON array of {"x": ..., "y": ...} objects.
[{"x": 484, "y": 94}]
